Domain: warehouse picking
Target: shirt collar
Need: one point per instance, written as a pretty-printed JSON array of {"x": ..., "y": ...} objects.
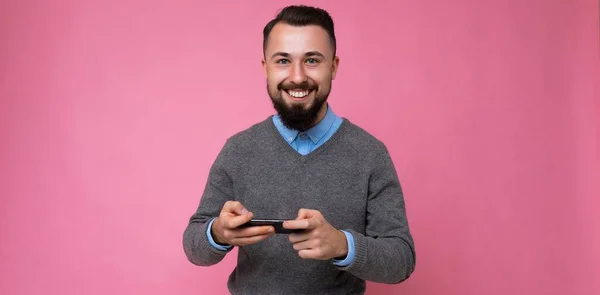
[{"x": 315, "y": 133}]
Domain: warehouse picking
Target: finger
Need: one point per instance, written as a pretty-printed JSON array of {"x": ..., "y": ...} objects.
[
  {"x": 302, "y": 223},
  {"x": 254, "y": 231},
  {"x": 250, "y": 240},
  {"x": 298, "y": 237},
  {"x": 297, "y": 224},
  {"x": 313, "y": 222},
  {"x": 304, "y": 245},
  {"x": 313, "y": 253},
  {"x": 232, "y": 222},
  {"x": 235, "y": 207}
]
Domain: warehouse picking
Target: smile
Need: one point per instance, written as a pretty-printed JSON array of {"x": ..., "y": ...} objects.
[{"x": 299, "y": 94}]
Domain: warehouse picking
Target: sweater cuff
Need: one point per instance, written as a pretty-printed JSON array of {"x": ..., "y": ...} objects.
[
  {"x": 350, "y": 256},
  {"x": 205, "y": 244},
  {"x": 359, "y": 260}
]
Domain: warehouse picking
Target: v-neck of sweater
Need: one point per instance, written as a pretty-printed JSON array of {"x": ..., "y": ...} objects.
[{"x": 295, "y": 154}]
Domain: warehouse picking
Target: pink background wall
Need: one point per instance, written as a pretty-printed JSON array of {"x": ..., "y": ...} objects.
[{"x": 112, "y": 113}]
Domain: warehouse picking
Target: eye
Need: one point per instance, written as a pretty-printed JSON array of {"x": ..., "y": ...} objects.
[
  {"x": 283, "y": 61},
  {"x": 312, "y": 61}
]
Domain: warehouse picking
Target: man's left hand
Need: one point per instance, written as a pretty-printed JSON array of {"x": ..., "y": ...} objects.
[{"x": 319, "y": 239}]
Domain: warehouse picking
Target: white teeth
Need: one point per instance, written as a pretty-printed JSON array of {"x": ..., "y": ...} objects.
[{"x": 298, "y": 94}]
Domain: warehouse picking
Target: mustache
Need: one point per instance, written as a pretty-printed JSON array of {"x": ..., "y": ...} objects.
[{"x": 306, "y": 85}]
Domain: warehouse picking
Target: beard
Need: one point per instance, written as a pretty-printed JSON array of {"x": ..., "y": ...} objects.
[{"x": 297, "y": 116}]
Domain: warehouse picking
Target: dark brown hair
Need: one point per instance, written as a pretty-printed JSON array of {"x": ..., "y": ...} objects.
[{"x": 301, "y": 15}]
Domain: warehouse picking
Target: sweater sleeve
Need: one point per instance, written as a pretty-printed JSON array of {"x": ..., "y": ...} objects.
[
  {"x": 218, "y": 190},
  {"x": 385, "y": 252}
]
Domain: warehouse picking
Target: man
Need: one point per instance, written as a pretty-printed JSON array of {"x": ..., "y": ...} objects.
[{"x": 334, "y": 180}]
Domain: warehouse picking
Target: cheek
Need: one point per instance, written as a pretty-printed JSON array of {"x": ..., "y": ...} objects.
[
  {"x": 276, "y": 78},
  {"x": 322, "y": 81},
  {"x": 319, "y": 75},
  {"x": 277, "y": 73}
]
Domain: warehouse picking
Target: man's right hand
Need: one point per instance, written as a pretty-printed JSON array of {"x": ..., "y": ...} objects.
[{"x": 226, "y": 231}]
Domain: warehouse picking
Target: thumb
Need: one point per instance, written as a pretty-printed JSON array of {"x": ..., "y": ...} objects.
[
  {"x": 235, "y": 207},
  {"x": 307, "y": 213}
]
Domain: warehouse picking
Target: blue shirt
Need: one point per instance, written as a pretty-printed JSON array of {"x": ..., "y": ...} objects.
[{"x": 304, "y": 143}]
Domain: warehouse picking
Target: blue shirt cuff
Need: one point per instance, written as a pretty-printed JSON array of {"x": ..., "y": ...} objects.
[
  {"x": 350, "y": 257},
  {"x": 211, "y": 240}
]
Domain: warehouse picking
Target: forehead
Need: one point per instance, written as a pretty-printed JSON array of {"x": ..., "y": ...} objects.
[{"x": 298, "y": 40}]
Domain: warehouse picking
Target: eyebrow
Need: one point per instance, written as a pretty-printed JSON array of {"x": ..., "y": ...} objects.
[{"x": 285, "y": 54}]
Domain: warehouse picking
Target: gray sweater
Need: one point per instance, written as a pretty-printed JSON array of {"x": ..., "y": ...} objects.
[{"x": 350, "y": 179}]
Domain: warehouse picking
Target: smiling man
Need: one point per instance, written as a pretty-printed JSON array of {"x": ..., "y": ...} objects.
[{"x": 334, "y": 182}]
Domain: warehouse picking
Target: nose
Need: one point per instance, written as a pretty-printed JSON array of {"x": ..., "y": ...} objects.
[{"x": 297, "y": 75}]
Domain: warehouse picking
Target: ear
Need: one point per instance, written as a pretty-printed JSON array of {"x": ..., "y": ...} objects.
[
  {"x": 264, "y": 65},
  {"x": 334, "y": 67}
]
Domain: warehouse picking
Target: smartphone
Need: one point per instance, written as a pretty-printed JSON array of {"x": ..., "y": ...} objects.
[{"x": 276, "y": 223}]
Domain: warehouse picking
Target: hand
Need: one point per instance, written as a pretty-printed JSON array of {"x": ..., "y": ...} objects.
[
  {"x": 319, "y": 240},
  {"x": 225, "y": 227}
]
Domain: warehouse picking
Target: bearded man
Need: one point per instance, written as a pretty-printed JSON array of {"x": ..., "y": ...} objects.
[{"x": 333, "y": 183}]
